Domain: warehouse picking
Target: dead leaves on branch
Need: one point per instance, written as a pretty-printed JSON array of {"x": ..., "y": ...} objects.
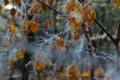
[
  {"x": 89, "y": 15},
  {"x": 70, "y": 6}
]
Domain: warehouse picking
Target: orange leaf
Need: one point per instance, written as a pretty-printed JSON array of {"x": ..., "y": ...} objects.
[
  {"x": 46, "y": 24},
  {"x": 70, "y": 7},
  {"x": 116, "y": 2},
  {"x": 20, "y": 54},
  {"x": 32, "y": 26},
  {"x": 76, "y": 36},
  {"x": 89, "y": 15},
  {"x": 18, "y": 2},
  {"x": 59, "y": 43},
  {"x": 12, "y": 28},
  {"x": 72, "y": 73},
  {"x": 85, "y": 74},
  {"x": 77, "y": 17},
  {"x": 9, "y": 21},
  {"x": 11, "y": 62},
  {"x": 12, "y": 12},
  {"x": 39, "y": 66}
]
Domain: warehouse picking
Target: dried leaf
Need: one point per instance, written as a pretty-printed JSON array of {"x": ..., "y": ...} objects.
[
  {"x": 59, "y": 43},
  {"x": 50, "y": 22},
  {"x": 32, "y": 26},
  {"x": 9, "y": 21},
  {"x": 76, "y": 36},
  {"x": 6, "y": 2},
  {"x": 32, "y": 11},
  {"x": 41, "y": 10},
  {"x": 77, "y": 17},
  {"x": 51, "y": 2},
  {"x": 12, "y": 12},
  {"x": 20, "y": 54},
  {"x": 72, "y": 73},
  {"x": 12, "y": 28},
  {"x": 89, "y": 15},
  {"x": 18, "y": 2},
  {"x": 11, "y": 62},
  {"x": 46, "y": 24},
  {"x": 39, "y": 66},
  {"x": 116, "y": 2},
  {"x": 70, "y": 6},
  {"x": 85, "y": 74}
]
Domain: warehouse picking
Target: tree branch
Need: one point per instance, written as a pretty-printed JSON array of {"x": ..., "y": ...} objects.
[{"x": 96, "y": 20}]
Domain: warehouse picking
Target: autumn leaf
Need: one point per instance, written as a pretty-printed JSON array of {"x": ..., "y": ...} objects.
[
  {"x": 116, "y": 2},
  {"x": 9, "y": 21},
  {"x": 13, "y": 12},
  {"x": 39, "y": 66},
  {"x": 85, "y": 74},
  {"x": 41, "y": 10},
  {"x": 32, "y": 26},
  {"x": 76, "y": 36},
  {"x": 50, "y": 22},
  {"x": 18, "y": 2},
  {"x": 51, "y": 2},
  {"x": 46, "y": 24},
  {"x": 12, "y": 28},
  {"x": 70, "y": 6},
  {"x": 72, "y": 73},
  {"x": 89, "y": 15},
  {"x": 11, "y": 62},
  {"x": 59, "y": 43},
  {"x": 6, "y": 2},
  {"x": 20, "y": 54}
]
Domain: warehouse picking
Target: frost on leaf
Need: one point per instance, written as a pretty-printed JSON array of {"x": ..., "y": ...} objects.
[
  {"x": 76, "y": 17},
  {"x": 89, "y": 15},
  {"x": 59, "y": 43},
  {"x": 116, "y": 2},
  {"x": 70, "y": 7},
  {"x": 72, "y": 73},
  {"x": 38, "y": 65}
]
